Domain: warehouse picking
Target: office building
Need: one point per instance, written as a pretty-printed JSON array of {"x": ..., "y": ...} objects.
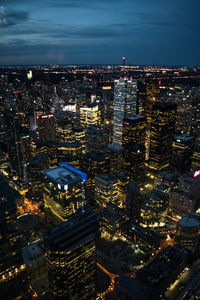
[
  {"x": 188, "y": 233},
  {"x": 92, "y": 164},
  {"x": 105, "y": 190},
  {"x": 65, "y": 131},
  {"x": 152, "y": 97},
  {"x": 155, "y": 207},
  {"x": 71, "y": 258},
  {"x": 122, "y": 181},
  {"x": 161, "y": 138},
  {"x": 164, "y": 269},
  {"x": 63, "y": 193},
  {"x": 134, "y": 130},
  {"x": 182, "y": 150},
  {"x": 13, "y": 279},
  {"x": 97, "y": 138},
  {"x": 125, "y": 105},
  {"x": 146, "y": 239},
  {"x": 134, "y": 162},
  {"x": 47, "y": 127},
  {"x": 111, "y": 219},
  {"x": 133, "y": 201},
  {"x": 69, "y": 153},
  {"x": 116, "y": 158},
  {"x": 79, "y": 134},
  {"x": 90, "y": 115},
  {"x": 185, "y": 199}
]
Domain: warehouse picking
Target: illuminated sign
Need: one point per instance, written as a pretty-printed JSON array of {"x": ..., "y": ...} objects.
[
  {"x": 196, "y": 173},
  {"x": 45, "y": 116}
]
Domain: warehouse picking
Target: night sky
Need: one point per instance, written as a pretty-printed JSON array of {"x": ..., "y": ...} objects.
[{"x": 152, "y": 32}]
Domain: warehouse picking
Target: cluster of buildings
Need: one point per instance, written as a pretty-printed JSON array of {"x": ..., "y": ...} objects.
[{"x": 99, "y": 176}]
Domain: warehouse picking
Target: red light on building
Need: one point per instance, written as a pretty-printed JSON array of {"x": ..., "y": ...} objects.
[
  {"x": 196, "y": 173},
  {"x": 16, "y": 92},
  {"x": 46, "y": 116},
  {"x": 159, "y": 82},
  {"x": 32, "y": 143}
]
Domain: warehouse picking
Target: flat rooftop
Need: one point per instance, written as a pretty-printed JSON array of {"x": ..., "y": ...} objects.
[
  {"x": 135, "y": 118},
  {"x": 62, "y": 175},
  {"x": 188, "y": 221},
  {"x": 183, "y": 139}
]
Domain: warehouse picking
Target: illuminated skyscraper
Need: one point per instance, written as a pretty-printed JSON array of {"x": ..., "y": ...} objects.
[
  {"x": 134, "y": 133},
  {"x": 125, "y": 105},
  {"x": 90, "y": 115},
  {"x": 47, "y": 127},
  {"x": 152, "y": 97},
  {"x": 162, "y": 134},
  {"x": 182, "y": 149},
  {"x": 134, "y": 130},
  {"x": 106, "y": 190},
  {"x": 13, "y": 279},
  {"x": 63, "y": 193},
  {"x": 64, "y": 132},
  {"x": 71, "y": 258},
  {"x": 93, "y": 163},
  {"x": 188, "y": 233},
  {"x": 97, "y": 138}
]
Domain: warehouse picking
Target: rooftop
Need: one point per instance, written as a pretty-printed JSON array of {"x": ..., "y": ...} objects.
[
  {"x": 183, "y": 139},
  {"x": 135, "y": 118},
  {"x": 188, "y": 221},
  {"x": 32, "y": 253},
  {"x": 62, "y": 175}
]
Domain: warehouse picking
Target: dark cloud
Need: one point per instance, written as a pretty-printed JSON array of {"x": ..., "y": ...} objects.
[{"x": 12, "y": 17}]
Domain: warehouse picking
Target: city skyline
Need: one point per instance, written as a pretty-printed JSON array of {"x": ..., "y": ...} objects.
[{"x": 94, "y": 32}]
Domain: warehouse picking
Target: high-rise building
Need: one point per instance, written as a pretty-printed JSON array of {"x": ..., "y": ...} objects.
[
  {"x": 13, "y": 280},
  {"x": 116, "y": 158},
  {"x": 188, "y": 233},
  {"x": 90, "y": 115},
  {"x": 164, "y": 269},
  {"x": 71, "y": 258},
  {"x": 37, "y": 164},
  {"x": 134, "y": 130},
  {"x": 162, "y": 134},
  {"x": 47, "y": 127},
  {"x": 125, "y": 105},
  {"x": 69, "y": 153},
  {"x": 152, "y": 97},
  {"x": 133, "y": 201},
  {"x": 134, "y": 162},
  {"x": 92, "y": 164},
  {"x": 134, "y": 133},
  {"x": 186, "y": 198},
  {"x": 97, "y": 138},
  {"x": 122, "y": 181},
  {"x": 182, "y": 149},
  {"x": 64, "y": 131},
  {"x": 63, "y": 193},
  {"x": 105, "y": 190}
]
